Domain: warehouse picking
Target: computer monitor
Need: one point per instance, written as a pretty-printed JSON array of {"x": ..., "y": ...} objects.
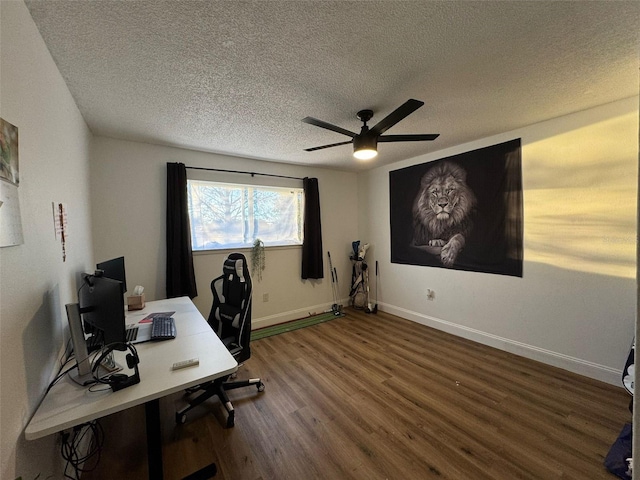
[
  {"x": 102, "y": 308},
  {"x": 114, "y": 269}
]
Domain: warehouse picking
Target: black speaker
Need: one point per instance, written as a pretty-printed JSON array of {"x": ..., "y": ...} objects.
[{"x": 118, "y": 381}]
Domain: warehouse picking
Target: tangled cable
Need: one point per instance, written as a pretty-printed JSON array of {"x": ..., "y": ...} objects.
[{"x": 70, "y": 449}]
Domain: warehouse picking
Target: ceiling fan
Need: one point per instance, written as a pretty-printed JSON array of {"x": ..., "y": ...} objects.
[{"x": 365, "y": 143}]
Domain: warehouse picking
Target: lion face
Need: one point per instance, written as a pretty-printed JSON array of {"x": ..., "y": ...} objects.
[{"x": 443, "y": 197}]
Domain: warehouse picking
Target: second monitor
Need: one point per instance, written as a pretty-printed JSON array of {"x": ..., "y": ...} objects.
[{"x": 113, "y": 269}]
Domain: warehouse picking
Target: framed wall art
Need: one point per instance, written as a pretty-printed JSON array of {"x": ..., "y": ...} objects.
[{"x": 10, "y": 220}]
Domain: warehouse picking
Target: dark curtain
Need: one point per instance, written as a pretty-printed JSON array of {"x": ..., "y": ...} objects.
[
  {"x": 312, "y": 266},
  {"x": 181, "y": 279}
]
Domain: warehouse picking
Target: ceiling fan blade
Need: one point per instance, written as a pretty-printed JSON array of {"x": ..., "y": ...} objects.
[
  {"x": 328, "y": 126},
  {"x": 408, "y": 138},
  {"x": 398, "y": 114},
  {"x": 327, "y": 146}
]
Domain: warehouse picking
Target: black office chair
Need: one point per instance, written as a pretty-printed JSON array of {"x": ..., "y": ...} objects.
[{"x": 230, "y": 318}]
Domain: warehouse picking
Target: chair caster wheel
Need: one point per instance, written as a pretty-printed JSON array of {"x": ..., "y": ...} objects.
[
  {"x": 260, "y": 387},
  {"x": 181, "y": 418}
]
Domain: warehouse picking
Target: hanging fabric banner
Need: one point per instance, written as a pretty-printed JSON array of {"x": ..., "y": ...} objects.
[{"x": 463, "y": 212}]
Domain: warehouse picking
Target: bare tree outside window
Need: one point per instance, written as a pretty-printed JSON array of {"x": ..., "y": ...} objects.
[{"x": 231, "y": 216}]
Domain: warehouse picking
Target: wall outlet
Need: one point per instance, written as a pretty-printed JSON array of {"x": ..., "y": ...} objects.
[
  {"x": 431, "y": 294},
  {"x": 265, "y": 297}
]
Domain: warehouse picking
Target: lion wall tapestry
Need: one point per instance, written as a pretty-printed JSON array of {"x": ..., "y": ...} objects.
[{"x": 462, "y": 212}]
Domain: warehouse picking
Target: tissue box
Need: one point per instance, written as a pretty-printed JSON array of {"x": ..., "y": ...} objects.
[{"x": 135, "y": 302}]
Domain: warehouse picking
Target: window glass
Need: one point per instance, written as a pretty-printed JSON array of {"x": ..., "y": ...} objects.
[{"x": 225, "y": 215}]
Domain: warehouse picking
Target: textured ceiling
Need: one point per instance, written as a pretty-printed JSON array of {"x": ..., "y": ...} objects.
[{"x": 237, "y": 77}]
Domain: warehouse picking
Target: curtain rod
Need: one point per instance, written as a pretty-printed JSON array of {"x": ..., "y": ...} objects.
[{"x": 246, "y": 173}]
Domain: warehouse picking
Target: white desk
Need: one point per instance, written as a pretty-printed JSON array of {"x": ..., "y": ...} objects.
[{"x": 68, "y": 404}]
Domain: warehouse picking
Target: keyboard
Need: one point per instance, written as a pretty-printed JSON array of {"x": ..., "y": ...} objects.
[
  {"x": 163, "y": 328},
  {"x": 132, "y": 334}
]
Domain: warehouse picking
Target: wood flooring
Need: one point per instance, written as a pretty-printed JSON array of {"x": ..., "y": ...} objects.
[{"x": 370, "y": 396}]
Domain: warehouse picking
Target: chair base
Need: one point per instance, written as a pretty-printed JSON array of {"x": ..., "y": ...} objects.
[{"x": 219, "y": 389}]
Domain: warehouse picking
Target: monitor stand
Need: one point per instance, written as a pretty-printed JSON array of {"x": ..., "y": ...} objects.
[
  {"x": 77, "y": 338},
  {"x": 81, "y": 350}
]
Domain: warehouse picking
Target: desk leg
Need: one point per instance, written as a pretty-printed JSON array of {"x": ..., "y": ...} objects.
[{"x": 154, "y": 439}]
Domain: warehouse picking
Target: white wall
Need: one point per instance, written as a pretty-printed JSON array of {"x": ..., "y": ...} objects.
[
  {"x": 35, "y": 283},
  {"x": 128, "y": 190},
  {"x": 575, "y": 305}
]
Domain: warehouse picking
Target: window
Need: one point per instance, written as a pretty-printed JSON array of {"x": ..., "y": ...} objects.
[{"x": 225, "y": 215}]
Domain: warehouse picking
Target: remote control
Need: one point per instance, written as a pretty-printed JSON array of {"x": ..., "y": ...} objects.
[{"x": 185, "y": 363}]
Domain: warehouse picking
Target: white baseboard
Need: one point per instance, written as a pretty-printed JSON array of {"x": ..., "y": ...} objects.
[{"x": 566, "y": 362}]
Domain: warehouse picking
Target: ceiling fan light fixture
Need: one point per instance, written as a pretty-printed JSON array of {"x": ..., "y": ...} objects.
[
  {"x": 365, "y": 154},
  {"x": 364, "y": 148}
]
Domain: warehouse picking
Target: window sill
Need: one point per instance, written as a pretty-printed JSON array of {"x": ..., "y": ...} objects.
[{"x": 225, "y": 251}]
